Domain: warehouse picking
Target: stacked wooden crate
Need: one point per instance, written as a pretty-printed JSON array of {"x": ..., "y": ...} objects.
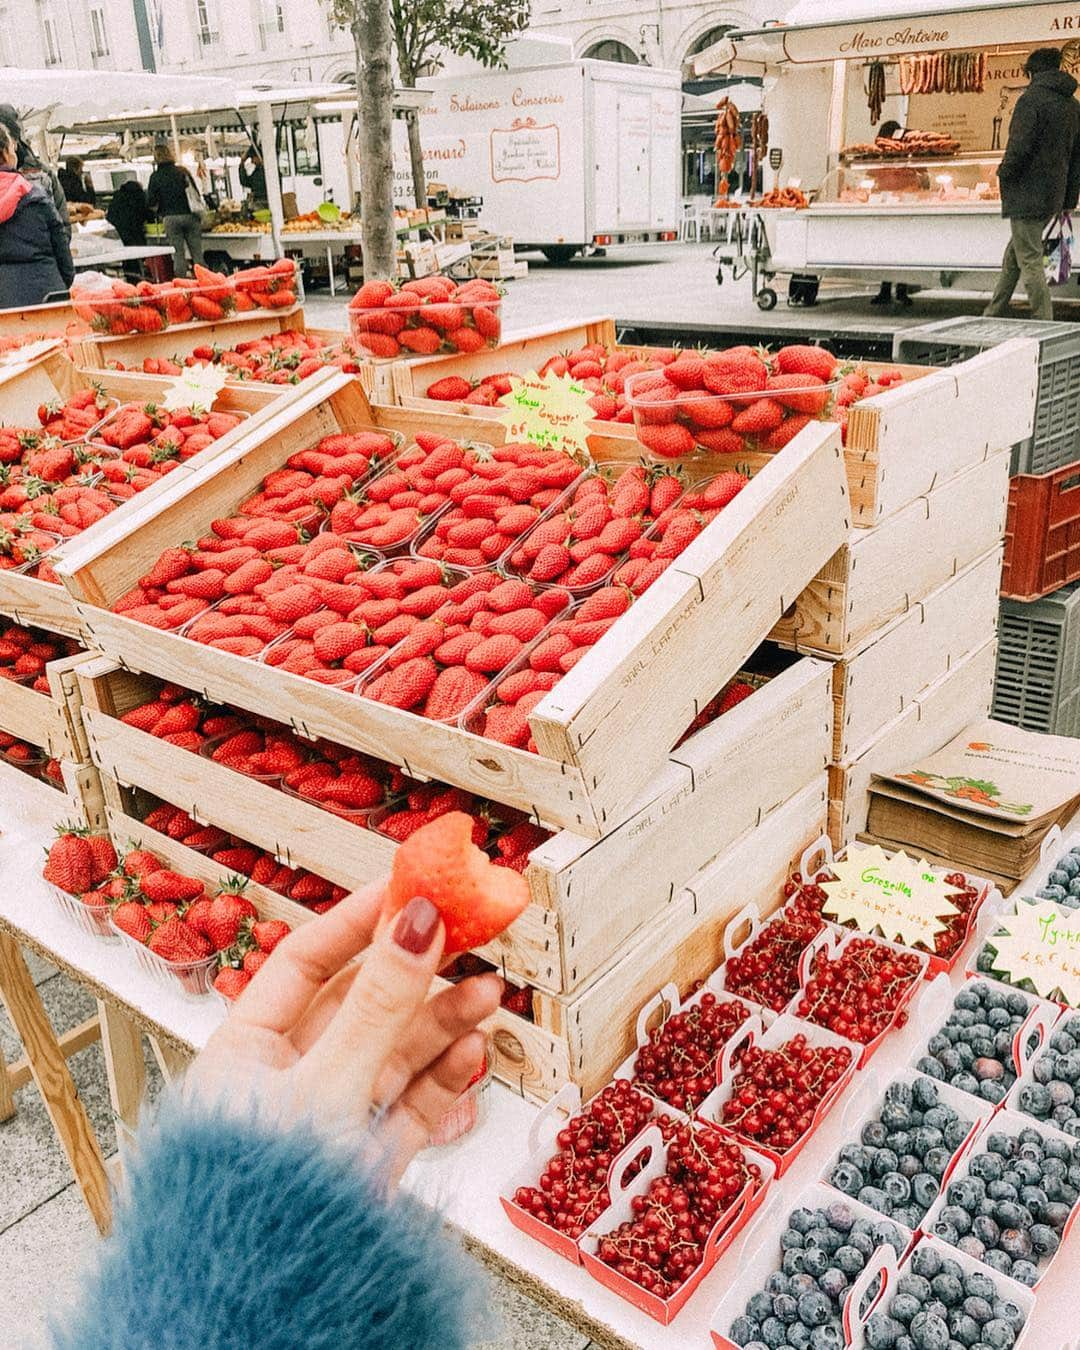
[
  {"x": 906, "y": 611},
  {"x": 654, "y": 847}
]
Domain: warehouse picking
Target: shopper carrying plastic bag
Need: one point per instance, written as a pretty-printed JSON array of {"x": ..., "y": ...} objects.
[{"x": 1058, "y": 243}]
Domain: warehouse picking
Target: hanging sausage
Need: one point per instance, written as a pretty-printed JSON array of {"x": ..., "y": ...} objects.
[
  {"x": 875, "y": 89},
  {"x": 728, "y": 143}
]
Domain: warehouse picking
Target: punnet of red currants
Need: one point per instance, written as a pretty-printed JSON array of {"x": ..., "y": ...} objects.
[
  {"x": 857, "y": 990},
  {"x": 678, "y": 1065},
  {"x": 766, "y": 969},
  {"x": 663, "y": 1244},
  {"x": 572, "y": 1189},
  {"x": 776, "y": 1092}
]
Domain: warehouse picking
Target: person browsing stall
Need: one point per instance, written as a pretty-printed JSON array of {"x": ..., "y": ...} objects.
[
  {"x": 171, "y": 194},
  {"x": 35, "y": 258}
]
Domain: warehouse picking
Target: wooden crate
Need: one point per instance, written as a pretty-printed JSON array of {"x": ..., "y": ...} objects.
[
  {"x": 101, "y": 351},
  {"x": 588, "y": 897},
  {"x": 926, "y": 724},
  {"x": 637, "y": 690},
  {"x": 876, "y": 682},
  {"x": 882, "y": 572},
  {"x": 41, "y": 321},
  {"x": 75, "y": 803},
  {"x": 376, "y": 379},
  {"x": 902, "y": 443},
  {"x": 52, "y": 721},
  {"x": 595, "y": 1027}
]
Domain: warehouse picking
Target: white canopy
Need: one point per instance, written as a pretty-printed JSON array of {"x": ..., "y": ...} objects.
[
  {"x": 818, "y": 31},
  {"x": 63, "y": 97}
]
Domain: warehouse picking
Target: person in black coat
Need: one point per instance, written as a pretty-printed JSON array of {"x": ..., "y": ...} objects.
[
  {"x": 76, "y": 184},
  {"x": 128, "y": 214},
  {"x": 167, "y": 196},
  {"x": 35, "y": 259},
  {"x": 1039, "y": 176},
  {"x": 32, "y": 168}
]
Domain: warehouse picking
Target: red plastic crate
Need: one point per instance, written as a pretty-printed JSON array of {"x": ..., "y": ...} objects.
[{"x": 1042, "y": 533}]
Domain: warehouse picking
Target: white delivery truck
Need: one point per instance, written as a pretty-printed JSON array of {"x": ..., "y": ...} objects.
[{"x": 565, "y": 156}]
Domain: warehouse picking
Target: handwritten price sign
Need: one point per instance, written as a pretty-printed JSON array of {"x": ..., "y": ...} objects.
[
  {"x": 899, "y": 898},
  {"x": 1041, "y": 943},
  {"x": 548, "y": 410},
  {"x": 196, "y": 387}
]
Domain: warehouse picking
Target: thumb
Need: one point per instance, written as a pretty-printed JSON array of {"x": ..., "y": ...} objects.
[{"x": 391, "y": 986}]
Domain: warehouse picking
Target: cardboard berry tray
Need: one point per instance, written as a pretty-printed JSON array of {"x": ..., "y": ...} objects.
[
  {"x": 885, "y": 1264},
  {"x": 1010, "y": 1123},
  {"x": 640, "y": 686},
  {"x": 625, "y": 1193},
  {"x": 582, "y": 910},
  {"x": 761, "y": 1255}
]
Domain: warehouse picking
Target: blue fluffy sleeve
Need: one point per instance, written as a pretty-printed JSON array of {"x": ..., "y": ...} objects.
[{"x": 234, "y": 1236}]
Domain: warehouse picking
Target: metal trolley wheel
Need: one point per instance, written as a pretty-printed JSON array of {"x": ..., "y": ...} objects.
[{"x": 766, "y": 298}]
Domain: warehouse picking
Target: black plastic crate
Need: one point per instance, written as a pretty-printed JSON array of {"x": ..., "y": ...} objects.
[
  {"x": 1056, "y": 441},
  {"x": 1037, "y": 685}
]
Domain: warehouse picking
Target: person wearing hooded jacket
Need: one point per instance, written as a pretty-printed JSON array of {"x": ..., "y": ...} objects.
[
  {"x": 32, "y": 168},
  {"x": 35, "y": 258},
  {"x": 1039, "y": 176}
]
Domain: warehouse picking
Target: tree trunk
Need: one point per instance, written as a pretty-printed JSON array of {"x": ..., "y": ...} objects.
[
  {"x": 416, "y": 158},
  {"x": 375, "y": 104}
]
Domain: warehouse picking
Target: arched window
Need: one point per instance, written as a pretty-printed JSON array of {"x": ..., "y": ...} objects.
[
  {"x": 707, "y": 39},
  {"x": 611, "y": 50}
]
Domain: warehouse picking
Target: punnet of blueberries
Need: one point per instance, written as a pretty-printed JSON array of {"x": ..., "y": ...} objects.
[
  {"x": 1011, "y": 1207},
  {"x": 973, "y": 1050},
  {"x": 940, "y": 1306},
  {"x": 1055, "y": 1093},
  {"x": 902, "y": 1153},
  {"x": 801, "y": 1306},
  {"x": 1063, "y": 883}
]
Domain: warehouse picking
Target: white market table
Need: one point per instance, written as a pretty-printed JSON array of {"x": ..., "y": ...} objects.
[
  {"x": 464, "y": 1181},
  {"x": 121, "y": 254}
]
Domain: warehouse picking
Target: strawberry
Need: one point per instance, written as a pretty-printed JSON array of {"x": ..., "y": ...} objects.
[
  {"x": 450, "y": 389},
  {"x": 231, "y": 983},
  {"x": 254, "y": 961},
  {"x": 104, "y": 856},
  {"x": 70, "y": 864},
  {"x": 406, "y": 686},
  {"x": 440, "y": 861},
  {"x": 132, "y": 918},
  {"x": 800, "y": 393},
  {"x": 164, "y": 884},
  {"x": 761, "y": 417},
  {"x": 720, "y": 490},
  {"x": 670, "y": 441},
  {"x": 175, "y": 941},
  {"x": 268, "y": 933},
  {"x": 140, "y": 862},
  {"x": 223, "y": 920},
  {"x": 454, "y": 689},
  {"x": 494, "y": 654},
  {"x": 551, "y": 562},
  {"x": 805, "y": 360}
]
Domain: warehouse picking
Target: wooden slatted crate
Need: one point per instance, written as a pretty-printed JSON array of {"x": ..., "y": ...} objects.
[
  {"x": 52, "y": 721},
  {"x": 926, "y": 724},
  {"x": 875, "y": 683},
  {"x": 882, "y": 572},
  {"x": 101, "y": 351},
  {"x": 605, "y": 729},
  {"x": 588, "y": 897}
]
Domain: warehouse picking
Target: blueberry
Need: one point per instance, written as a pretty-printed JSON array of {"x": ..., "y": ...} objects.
[
  {"x": 971, "y": 1246},
  {"x": 925, "y": 1261},
  {"x": 909, "y": 1215},
  {"x": 1034, "y": 1199},
  {"x": 875, "y": 1197},
  {"x": 897, "y": 1187},
  {"x": 824, "y": 1239},
  {"x": 948, "y": 1288},
  {"x": 992, "y": 1092},
  {"x": 930, "y": 1332},
  {"x": 798, "y": 1336},
  {"x": 887, "y": 1234},
  {"x": 847, "y": 1178},
  {"x": 858, "y": 1156},
  {"x": 745, "y": 1331},
  {"x": 1008, "y": 1312},
  {"x": 986, "y": 1230},
  {"x": 833, "y": 1283},
  {"x": 777, "y": 1283},
  {"x": 884, "y": 1160},
  {"x": 1057, "y": 1214},
  {"x": 1002, "y": 1190},
  {"x": 861, "y": 1241},
  {"x": 955, "y": 1133},
  {"x": 883, "y": 1332},
  {"x": 978, "y": 1307},
  {"x": 802, "y": 1284},
  {"x": 840, "y": 1216},
  {"x": 957, "y": 1217},
  {"x": 773, "y": 1333},
  {"x": 950, "y": 1062},
  {"x": 928, "y": 1065},
  {"x": 1053, "y": 892},
  {"x": 1028, "y": 1170},
  {"x": 966, "y": 1082},
  {"x": 936, "y": 1161},
  {"x": 801, "y": 1220},
  {"x": 786, "y": 1307},
  {"x": 792, "y": 1261},
  {"x": 904, "y": 1307},
  {"x": 1017, "y": 1004},
  {"x": 815, "y": 1261},
  {"x": 1034, "y": 1100},
  {"x": 899, "y": 1141},
  {"x": 814, "y": 1309},
  {"x": 967, "y": 1192},
  {"x": 827, "y": 1338},
  {"x": 937, "y": 1042},
  {"x": 790, "y": 1238},
  {"x": 964, "y": 1329},
  {"x": 926, "y": 1137},
  {"x": 910, "y": 1166},
  {"x": 969, "y": 998},
  {"x": 998, "y": 1334},
  {"x": 1025, "y": 1272},
  {"x": 997, "y": 1260},
  {"x": 924, "y": 1095},
  {"x": 759, "y": 1306},
  {"x": 924, "y": 1191}
]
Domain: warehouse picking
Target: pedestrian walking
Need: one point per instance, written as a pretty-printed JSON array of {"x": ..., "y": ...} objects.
[
  {"x": 1039, "y": 177},
  {"x": 173, "y": 196},
  {"x": 35, "y": 258}
]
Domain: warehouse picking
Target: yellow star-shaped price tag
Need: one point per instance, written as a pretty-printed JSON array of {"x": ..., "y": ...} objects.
[
  {"x": 196, "y": 386},
  {"x": 548, "y": 410},
  {"x": 1041, "y": 943},
  {"x": 903, "y": 900}
]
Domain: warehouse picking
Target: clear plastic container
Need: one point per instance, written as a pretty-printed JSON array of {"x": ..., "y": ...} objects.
[
  {"x": 697, "y": 422},
  {"x": 94, "y": 920},
  {"x": 194, "y": 979},
  {"x": 208, "y": 748},
  {"x": 385, "y": 333}
]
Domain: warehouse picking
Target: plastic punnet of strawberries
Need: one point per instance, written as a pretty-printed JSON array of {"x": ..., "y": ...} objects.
[
  {"x": 25, "y": 652},
  {"x": 664, "y": 1243},
  {"x": 425, "y": 316},
  {"x": 856, "y": 992},
  {"x": 504, "y": 832},
  {"x": 572, "y": 1188},
  {"x": 679, "y": 1063},
  {"x": 288, "y": 357},
  {"x": 776, "y": 1092},
  {"x": 947, "y": 942},
  {"x": 731, "y": 401}
]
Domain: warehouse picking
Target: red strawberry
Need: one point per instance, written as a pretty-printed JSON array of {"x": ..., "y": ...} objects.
[
  {"x": 165, "y": 884},
  {"x": 254, "y": 961},
  {"x": 494, "y": 654},
  {"x": 269, "y": 932},
  {"x": 70, "y": 864},
  {"x": 132, "y": 918},
  {"x": 231, "y": 983},
  {"x": 450, "y": 389},
  {"x": 175, "y": 941},
  {"x": 723, "y": 488},
  {"x": 670, "y": 441},
  {"x": 761, "y": 417},
  {"x": 453, "y": 690},
  {"x": 440, "y": 861},
  {"x": 805, "y": 360}
]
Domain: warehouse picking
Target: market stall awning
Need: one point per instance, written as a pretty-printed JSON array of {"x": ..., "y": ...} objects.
[
  {"x": 62, "y": 97},
  {"x": 816, "y": 31}
]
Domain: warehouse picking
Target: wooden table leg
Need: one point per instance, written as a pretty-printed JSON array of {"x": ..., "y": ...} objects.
[
  {"x": 7, "y": 1098},
  {"x": 170, "y": 1061},
  {"x": 54, "y": 1081},
  {"x": 121, "y": 1040}
]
